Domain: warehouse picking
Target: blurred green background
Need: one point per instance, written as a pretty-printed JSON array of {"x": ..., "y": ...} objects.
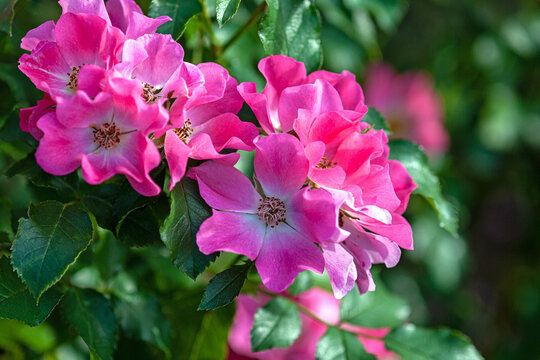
[{"x": 484, "y": 57}]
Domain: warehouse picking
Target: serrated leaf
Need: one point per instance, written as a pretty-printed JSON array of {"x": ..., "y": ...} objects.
[
  {"x": 275, "y": 325},
  {"x": 139, "y": 227},
  {"x": 188, "y": 211},
  {"x": 141, "y": 317},
  {"x": 338, "y": 344},
  {"x": 48, "y": 242},
  {"x": 374, "y": 118},
  {"x": 16, "y": 302},
  {"x": 225, "y": 10},
  {"x": 292, "y": 28},
  {"x": 91, "y": 314},
  {"x": 224, "y": 287},
  {"x": 414, "y": 159},
  {"x": 416, "y": 343},
  {"x": 373, "y": 309},
  {"x": 180, "y": 11}
]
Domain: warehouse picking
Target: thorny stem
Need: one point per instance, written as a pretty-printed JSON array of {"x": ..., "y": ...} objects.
[
  {"x": 309, "y": 313},
  {"x": 254, "y": 17}
]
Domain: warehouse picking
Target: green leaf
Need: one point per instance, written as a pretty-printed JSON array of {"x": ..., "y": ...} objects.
[
  {"x": 16, "y": 302},
  {"x": 292, "y": 28},
  {"x": 141, "y": 317},
  {"x": 212, "y": 336},
  {"x": 225, "y": 10},
  {"x": 48, "y": 242},
  {"x": 139, "y": 227},
  {"x": 374, "y": 118},
  {"x": 373, "y": 309},
  {"x": 180, "y": 11},
  {"x": 303, "y": 282},
  {"x": 416, "y": 343},
  {"x": 188, "y": 211},
  {"x": 414, "y": 159},
  {"x": 338, "y": 344},
  {"x": 275, "y": 325},
  {"x": 224, "y": 287},
  {"x": 91, "y": 314}
]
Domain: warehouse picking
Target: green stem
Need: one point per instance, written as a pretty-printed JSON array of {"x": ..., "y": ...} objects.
[
  {"x": 309, "y": 313},
  {"x": 214, "y": 43},
  {"x": 254, "y": 17}
]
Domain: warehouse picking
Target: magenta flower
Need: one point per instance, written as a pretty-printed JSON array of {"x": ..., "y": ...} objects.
[
  {"x": 30, "y": 116},
  {"x": 203, "y": 120},
  {"x": 125, "y": 15},
  {"x": 73, "y": 60},
  {"x": 105, "y": 136},
  {"x": 288, "y": 90},
  {"x": 411, "y": 106},
  {"x": 320, "y": 303},
  {"x": 277, "y": 229}
]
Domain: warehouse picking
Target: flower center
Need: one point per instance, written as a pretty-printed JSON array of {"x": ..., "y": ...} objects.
[
  {"x": 150, "y": 93},
  {"x": 107, "y": 135},
  {"x": 271, "y": 210},
  {"x": 184, "y": 132},
  {"x": 325, "y": 163},
  {"x": 73, "y": 77}
]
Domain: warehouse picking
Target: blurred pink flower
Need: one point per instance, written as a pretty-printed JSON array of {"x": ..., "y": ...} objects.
[
  {"x": 320, "y": 303},
  {"x": 277, "y": 230},
  {"x": 410, "y": 104},
  {"x": 30, "y": 116},
  {"x": 106, "y": 135}
]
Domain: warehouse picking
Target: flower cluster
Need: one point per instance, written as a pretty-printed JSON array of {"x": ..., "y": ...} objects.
[
  {"x": 325, "y": 194},
  {"x": 111, "y": 96},
  {"x": 321, "y": 304}
]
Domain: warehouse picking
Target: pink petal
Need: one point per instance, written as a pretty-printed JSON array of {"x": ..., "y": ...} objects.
[
  {"x": 258, "y": 103},
  {"x": 318, "y": 98},
  {"x": 332, "y": 177},
  {"x": 403, "y": 184},
  {"x": 313, "y": 213},
  {"x": 177, "y": 154},
  {"x": 202, "y": 148},
  {"x": 341, "y": 269},
  {"x": 30, "y": 116},
  {"x": 280, "y": 165},
  {"x": 284, "y": 254},
  {"x": 228, "y": 131},
  {"x": 44, "y": 32},
  {"x": 95, "y": 7},
  {"x": 128, "y": 17},
  {"x": 90, "y": 79},
  {"x": 225, "y": 188},
  {"x": 232, "y": 232},
  {"x": 399, "y": 231},
  {"x": 350, "y": 92},
  {"x": 280, "y": 73}
]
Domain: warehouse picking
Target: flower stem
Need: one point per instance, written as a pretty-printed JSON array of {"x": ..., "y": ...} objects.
[
  {"x": 254, "y": 17},
  {"x": 214, "y": 43}
]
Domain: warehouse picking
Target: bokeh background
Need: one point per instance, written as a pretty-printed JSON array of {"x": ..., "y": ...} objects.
[{"x": 484, "y": 59}]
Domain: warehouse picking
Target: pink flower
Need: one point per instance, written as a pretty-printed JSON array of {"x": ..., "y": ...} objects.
[
  {"x": 410, "y": 104},
  {"x": 125, "y": 15},
  {"x": 320, "y": 303},
  {"x": 277, "y": 230},
  {"x": 288, "y": 89},
  {"x": 68, "y": 59},
  {"x": 106, "y": 135},
  {"x": 30, "y": 116},
  {"x": 203, "y": 120}
]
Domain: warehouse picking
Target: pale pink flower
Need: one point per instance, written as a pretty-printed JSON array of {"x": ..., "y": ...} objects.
[
  {"x": 70, "y": 59},
  {"x": 288, "y": 89},
  {"x": 105, "y": 136},
  {"x": 410, "y": 104},
  {"x": 277, "y": 230},
  {"x": 320, "y": 303}
]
